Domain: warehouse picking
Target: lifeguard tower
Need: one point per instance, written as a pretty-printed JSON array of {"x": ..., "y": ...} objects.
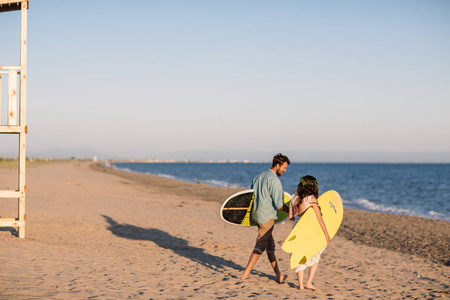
[{"x": 15, "y": 122}]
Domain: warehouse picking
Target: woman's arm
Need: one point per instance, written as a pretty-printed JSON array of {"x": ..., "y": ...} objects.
[{"x": 316, "y": 208}]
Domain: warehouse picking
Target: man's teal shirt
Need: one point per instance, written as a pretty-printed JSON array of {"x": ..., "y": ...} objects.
[{"x": 268, "y": 196}]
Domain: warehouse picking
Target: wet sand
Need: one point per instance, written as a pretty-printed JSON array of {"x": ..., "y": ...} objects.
[{"x": 92, "y": 233}]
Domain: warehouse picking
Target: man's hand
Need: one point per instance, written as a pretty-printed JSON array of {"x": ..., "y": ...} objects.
[{"x": 285, "y": 208}]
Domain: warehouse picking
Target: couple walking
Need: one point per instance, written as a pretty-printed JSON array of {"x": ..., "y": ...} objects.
[{"x": 268, "y": 198}]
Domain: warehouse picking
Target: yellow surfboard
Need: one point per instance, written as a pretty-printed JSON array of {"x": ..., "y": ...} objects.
[{"x": 307, "y": 237}]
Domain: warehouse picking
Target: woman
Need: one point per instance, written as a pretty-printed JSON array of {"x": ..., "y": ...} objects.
[{"x": 304, "y": 198}]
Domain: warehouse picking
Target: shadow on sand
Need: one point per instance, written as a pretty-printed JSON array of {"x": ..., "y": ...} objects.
[
  {"x": 12, "y": 230},
  {"x": 178, "y": 245}
]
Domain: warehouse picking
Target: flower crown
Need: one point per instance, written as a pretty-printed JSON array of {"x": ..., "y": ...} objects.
[{"x": 311, "y": 183}]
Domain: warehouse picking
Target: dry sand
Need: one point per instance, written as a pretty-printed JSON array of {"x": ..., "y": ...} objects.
[{"x": 93, "y": 234}]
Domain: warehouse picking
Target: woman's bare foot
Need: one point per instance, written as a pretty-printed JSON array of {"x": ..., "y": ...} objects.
[{"x": 310, "y": 287}]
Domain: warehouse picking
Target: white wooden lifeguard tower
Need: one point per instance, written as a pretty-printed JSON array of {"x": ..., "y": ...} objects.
[{"x": 15, "y": 122}]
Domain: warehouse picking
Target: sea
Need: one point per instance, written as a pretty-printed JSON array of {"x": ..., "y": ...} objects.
[{"x": 421, "y": 190}]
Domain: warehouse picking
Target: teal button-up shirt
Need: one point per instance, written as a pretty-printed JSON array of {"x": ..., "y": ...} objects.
[{"x": 268, "y": 196}]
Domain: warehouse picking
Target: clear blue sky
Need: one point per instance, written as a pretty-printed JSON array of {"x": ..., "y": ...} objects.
[{"x": 235, "y": 79}]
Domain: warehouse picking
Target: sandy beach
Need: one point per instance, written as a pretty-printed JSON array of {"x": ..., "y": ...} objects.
[{"x": 94, "y": 232}]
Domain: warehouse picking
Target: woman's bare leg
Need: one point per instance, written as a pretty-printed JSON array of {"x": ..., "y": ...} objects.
[
  {"x": 300, "y": 276},
  {"x": 312, "y": 272}
]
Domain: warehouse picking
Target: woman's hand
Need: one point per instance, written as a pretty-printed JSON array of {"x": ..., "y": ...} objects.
[{"x": 328, "y": 239}]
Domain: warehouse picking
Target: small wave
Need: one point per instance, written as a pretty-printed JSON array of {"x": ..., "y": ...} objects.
[
  {"x": 434, "y": 213},
  {"x": 209, "y": 182},
  {"x": 381, "y": 208},
  {"x": 166, "y": 176},
  {"x": 220, "y": 183},
  {"x": 367, "y": 205},
  {"x": 124, "y": 169},
  {"x": 439, "y": 216}
]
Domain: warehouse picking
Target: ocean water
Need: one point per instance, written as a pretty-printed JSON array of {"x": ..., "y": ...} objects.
[{"x": 406, "y": 189}]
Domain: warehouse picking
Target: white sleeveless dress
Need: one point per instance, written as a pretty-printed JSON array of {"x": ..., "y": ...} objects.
[{"x": 316, "y": 258}]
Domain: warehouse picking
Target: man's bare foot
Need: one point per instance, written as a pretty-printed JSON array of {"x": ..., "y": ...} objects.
[
  {"x": 282, "y": 278},
  {"x": 243, "y": 277}
]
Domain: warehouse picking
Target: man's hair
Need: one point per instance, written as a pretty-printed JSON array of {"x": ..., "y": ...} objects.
[{"x": 280, "y": 159}]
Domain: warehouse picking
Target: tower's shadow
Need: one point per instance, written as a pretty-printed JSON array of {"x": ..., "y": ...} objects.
[{"x": 178, "y": 245}]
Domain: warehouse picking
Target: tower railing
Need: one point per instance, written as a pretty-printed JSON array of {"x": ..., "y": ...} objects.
[{"x": 15, "y": 122}]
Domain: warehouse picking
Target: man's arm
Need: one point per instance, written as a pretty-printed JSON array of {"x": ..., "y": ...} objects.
[{"x": 278, "y": 196}]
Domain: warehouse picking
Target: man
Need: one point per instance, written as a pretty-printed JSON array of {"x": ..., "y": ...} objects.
[{"x": 268, "y": 197}]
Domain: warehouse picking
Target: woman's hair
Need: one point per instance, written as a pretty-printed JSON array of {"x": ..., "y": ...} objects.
[
  {"x": 307, "y": 186},
  {"x": 280, "y": 159}
]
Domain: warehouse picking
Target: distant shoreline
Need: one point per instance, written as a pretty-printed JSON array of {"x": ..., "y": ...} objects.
[{"x": 263, "y": 162}]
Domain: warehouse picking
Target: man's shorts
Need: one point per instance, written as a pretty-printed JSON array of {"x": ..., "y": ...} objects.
[{"x": 264, "y": 241}]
